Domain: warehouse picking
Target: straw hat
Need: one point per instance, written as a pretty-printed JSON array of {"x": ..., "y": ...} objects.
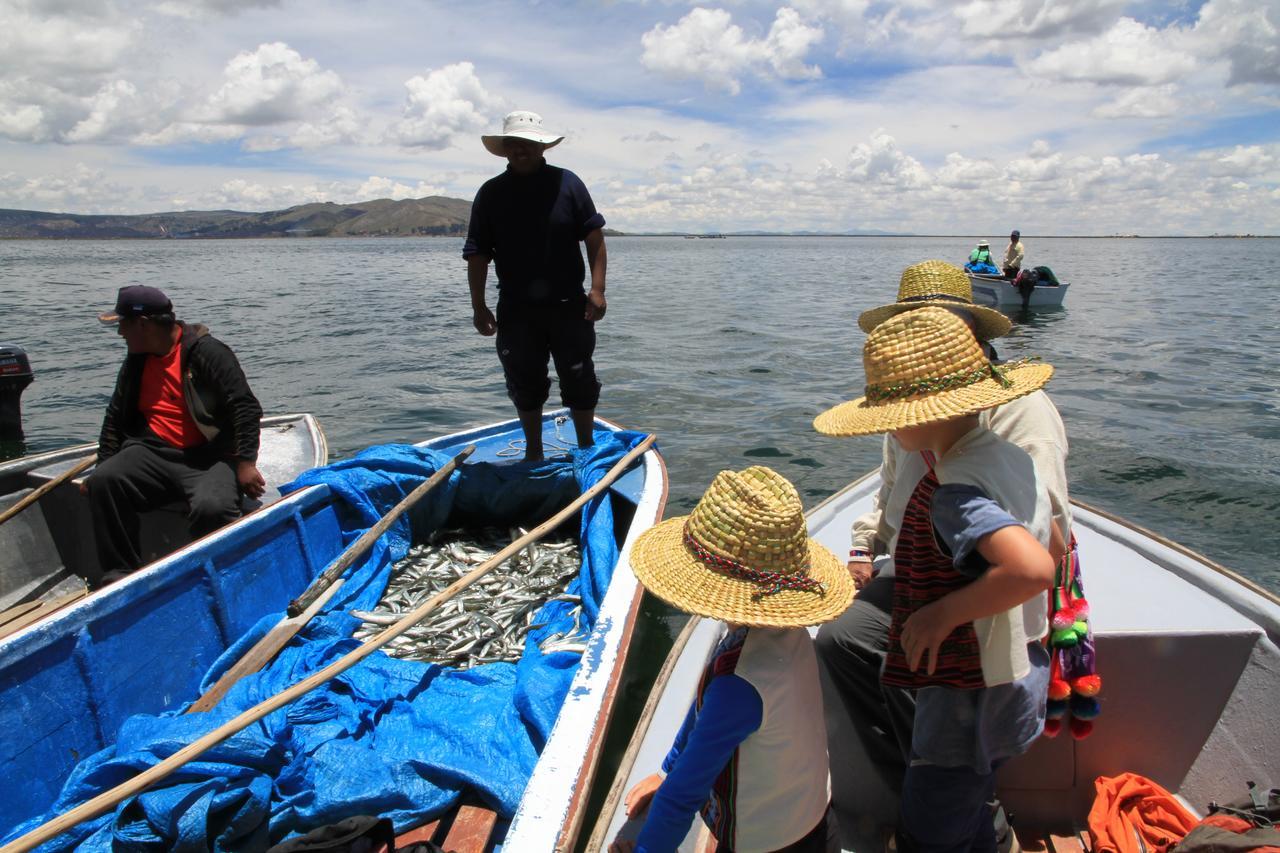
[
  {"x": 743, "y": 555},
  {"x": 520, "y": 124},
  {"x": 925, "y": 366},
  {"x": 938, "y": 283}
]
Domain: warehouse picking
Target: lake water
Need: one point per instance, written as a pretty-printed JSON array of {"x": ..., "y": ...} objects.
[{"x": 1166, "y": 354}]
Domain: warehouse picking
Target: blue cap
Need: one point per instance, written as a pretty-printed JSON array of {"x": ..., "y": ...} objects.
[{"x": 137, "y": 300}]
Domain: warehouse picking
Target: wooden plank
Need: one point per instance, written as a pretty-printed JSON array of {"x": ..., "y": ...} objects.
[
  {"x": 18, "y": 610},
  {"x": 471, "y": 830},
  {"x": 44, "y": 609},
  {"x": 418, "y": 835},
  {"x": 1032, "y": 841},
  {"x": 1066, "y": 843}
]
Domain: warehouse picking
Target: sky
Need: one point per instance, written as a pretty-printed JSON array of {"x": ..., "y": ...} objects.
[{"x": 1071, "y": 117}]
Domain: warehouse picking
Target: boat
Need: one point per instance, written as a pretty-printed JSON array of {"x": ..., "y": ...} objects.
[
  {"x": 996, "y": 292},
  {"x": 1188, "y": 652},
  {"x": 68, "y": 683},
  {"x": 46, "y": 550}
]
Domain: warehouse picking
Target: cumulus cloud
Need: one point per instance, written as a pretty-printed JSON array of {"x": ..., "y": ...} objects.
[
  {"x": 270, "y": 85},
  {"x": 1141, "y": 102},
  {"x": 881, "y": 161},
  {"x": 961, "y": 173},
  {"x": 1129, "y": 54},
  {"x": 1243, "y": 33},
  {"x": 78, "y": 189},
  {"x": 1021, "y": 19},
  {"x": 379, "y": 187},
  {"x": 651, "y": 136},
  {"x": 1245, "y": 161},
  {"x": 65, "y": 39},
  {"x": 442, "y": 105},
  {"x": 706, "y": 45}
]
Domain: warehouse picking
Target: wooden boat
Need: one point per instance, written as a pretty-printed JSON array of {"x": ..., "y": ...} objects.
[
  {"x": 1191, "y": 671},
  {"x": 996, "y": 292},
  {"x": 203, "y": 597},
  {"x": 47, "y": 551}
]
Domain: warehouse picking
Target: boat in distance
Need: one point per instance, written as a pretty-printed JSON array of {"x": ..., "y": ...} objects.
[
  {"x": 996, "y": 292},
  {"x": 1188, "y": 651},
  {"x": 46, "y": 550},
  {"x": 151, "y": 639}
]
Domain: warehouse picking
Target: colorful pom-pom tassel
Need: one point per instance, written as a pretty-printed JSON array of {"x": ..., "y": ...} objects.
[
  {"x": 1081, "y": 627},
  {"x": 1059, "y": 689},
  {"x": 1085, "y": 707},
  {"x": 1055, "y": 709},
  {"x": 1052, "y": 727},
  {"x": 1081, "y": 608},
  {"x": 1063, "y": 619},
  {"x": 1080, "y": 729},
  {"x": 1085, "y": 685},
  {"x": 1064, "y": 637}
]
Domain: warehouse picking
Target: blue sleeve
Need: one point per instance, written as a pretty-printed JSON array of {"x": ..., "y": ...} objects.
[
  {"x": 731, "y": 711},
  {"x": 682, "y": 737},
  {"x": 588, "y": 216},
  {"x": 479, "y": 232},
  {"x": 962, "y": 514}
]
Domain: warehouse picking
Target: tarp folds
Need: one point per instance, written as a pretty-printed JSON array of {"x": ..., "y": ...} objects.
[{"x": 393, "y": 738}]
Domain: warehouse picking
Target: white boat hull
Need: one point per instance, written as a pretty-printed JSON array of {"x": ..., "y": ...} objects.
[{"x": 997, "y": 292}]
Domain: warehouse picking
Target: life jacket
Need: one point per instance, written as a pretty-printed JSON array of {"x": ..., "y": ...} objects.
[{"x": 981, "y": 256}]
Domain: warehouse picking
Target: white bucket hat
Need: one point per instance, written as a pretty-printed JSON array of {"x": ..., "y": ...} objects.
[{"x": 520, "y": 124}]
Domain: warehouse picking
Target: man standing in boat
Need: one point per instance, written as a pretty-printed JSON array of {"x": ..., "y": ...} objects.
[
  {"x": 1012, "y": 263},
  {"x": 182, "y": 423},
  {"x": 529, "y": 221}
]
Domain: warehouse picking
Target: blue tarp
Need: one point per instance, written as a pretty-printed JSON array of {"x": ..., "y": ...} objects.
[
  {"x": 388, "y": 737},
  {"x": 982, "y": 269}
]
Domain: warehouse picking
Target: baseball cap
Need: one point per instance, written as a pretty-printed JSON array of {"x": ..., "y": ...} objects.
[{"x": 137, "y": 300}]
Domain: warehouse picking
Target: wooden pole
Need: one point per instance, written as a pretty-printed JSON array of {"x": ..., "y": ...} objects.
[
  {"x": 46, "y": 488},
  {"x": 318, "y": 592},
  {"x": 143, "y": 780}
]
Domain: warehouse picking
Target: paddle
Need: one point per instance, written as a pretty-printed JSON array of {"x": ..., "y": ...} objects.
[
  {"x": 47, "y": 487},
  {"x": 319, "y": 592},
  {"x": 108, "y": 799}
]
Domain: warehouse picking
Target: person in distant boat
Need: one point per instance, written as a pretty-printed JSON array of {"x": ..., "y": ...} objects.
[
  {"x": 182, "y": 424},
  {"x": 751, "y": 756},
  {"x": 1012, "y": 262},
  {"x": 851, "y": 650},
  {"x": 529, "y": 221},
  {"x": 981, "y": 261},
  {"x": 972, "y": 562}
]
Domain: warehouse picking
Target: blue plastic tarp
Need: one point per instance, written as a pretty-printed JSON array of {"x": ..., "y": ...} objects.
[{"x": 388, "y": 737}]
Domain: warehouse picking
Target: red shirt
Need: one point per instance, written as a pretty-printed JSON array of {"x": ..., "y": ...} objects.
[{"x": 162, "y": 402}]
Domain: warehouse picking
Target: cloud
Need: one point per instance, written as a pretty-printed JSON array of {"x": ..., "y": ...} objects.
[
  {"x": 1128, "y": 54},
  {"x": 1245, "y": 161},
  {"x": 1246, "y": 35},
  {"x": 651, "y": 136},
  {"x": 379, "y": 187},
  {"x": 77, "y": 189},
  {"x": 68, "y": 39},
  {"x": 446, "y": 103},
  {"x": 706, "y": 45},
  {"x": 1141, "y": 102},
  {"x": 961, "y": 173},
  {"x": 880, "y": 161},
  {"x": 341, "y": 127},
  {"x": 1036, "y": 19},
  {"x": 270, "y": 85}
]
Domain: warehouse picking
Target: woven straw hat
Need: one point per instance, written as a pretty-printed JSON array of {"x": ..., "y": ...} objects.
[
  {"x": 925, "y": 366},
  {"x": 743, "y": 555},
  {"x": 521, "y": 124},
  {"x": 938, "y": 283}
]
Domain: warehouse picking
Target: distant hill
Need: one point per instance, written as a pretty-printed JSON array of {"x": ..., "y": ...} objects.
[{"x": 434, "y": 216}]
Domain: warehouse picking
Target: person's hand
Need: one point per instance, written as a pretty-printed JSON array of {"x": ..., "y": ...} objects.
[
  {"x": 595, "y": 306},
  {"x": 860, "y": 570},
  {"x": 482, "y": 318},
  {"x": 639, "y": 797},
  {"x": 622, "y": 846},
  {"x": 250, "y": 479},
  {"x": 923, "y": 633}
]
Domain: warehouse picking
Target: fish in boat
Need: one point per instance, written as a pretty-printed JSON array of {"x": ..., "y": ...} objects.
[
  {"x": 1189, "y": 653},
  {"x": 126, "y": 662},
  {"x": 47, "y": 551}
]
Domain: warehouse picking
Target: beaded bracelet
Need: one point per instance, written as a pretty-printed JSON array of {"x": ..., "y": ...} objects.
[{"x": 859, "y": 552}]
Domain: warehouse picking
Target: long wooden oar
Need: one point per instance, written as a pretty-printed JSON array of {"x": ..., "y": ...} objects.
[
  {"x": 319, "y": 592},
  {"x": 47, "y": 487},
  {"x": 108, "y": 799}
]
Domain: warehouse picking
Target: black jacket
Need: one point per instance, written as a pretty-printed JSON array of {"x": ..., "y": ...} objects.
[{"x": 216, "y": 391}]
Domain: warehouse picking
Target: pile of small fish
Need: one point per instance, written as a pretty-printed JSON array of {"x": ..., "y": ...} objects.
[{"x": 489, "y": 620}]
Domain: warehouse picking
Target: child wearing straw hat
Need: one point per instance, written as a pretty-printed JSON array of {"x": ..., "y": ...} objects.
[
  {"x": 751, "y": 756},
  {"x": 971, "y": 567}
]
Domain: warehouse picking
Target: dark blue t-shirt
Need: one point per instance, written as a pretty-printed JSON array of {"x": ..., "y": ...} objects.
[{"x": 530, "y": 226}]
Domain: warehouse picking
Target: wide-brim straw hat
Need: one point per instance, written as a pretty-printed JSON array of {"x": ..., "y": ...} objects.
[
  {"x": 938, "y": 283},
  {"x": 520, "y": 124},
  {"x": 925, "y": 366},
  {"x": 744, "y": 556}
]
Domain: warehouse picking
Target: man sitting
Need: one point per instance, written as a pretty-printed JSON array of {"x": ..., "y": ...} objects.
[{"x": 182, "y": 423}]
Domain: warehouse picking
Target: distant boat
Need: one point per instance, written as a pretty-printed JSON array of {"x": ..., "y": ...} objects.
[
  {"x": 1187, "y": 651},
  {"x": 997, "y": 292},
  {"x": 712, "y": 236}
]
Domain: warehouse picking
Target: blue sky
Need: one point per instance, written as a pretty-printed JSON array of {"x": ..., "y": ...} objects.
[{"x": 966, "y": 117}]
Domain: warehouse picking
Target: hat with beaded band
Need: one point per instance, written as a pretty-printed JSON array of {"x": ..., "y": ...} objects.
[
  {"x": 925, "y": 366},
  {"x": 942, "y": 284},
  {"x": 744, "y": 556}
]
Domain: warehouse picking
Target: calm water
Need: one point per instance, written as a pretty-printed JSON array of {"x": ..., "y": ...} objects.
[{"x": 1166, "y": 359}]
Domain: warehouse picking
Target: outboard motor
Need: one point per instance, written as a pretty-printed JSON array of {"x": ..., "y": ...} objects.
[{"x": 15, "y": 376}]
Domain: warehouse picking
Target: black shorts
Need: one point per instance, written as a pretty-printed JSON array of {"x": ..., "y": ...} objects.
[{"x": 529, "y": 336}]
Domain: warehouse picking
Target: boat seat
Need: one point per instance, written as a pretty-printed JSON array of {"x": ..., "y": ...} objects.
[
  {"x": 38, "y": 569},
  {"x": 1147, "y": 621}
]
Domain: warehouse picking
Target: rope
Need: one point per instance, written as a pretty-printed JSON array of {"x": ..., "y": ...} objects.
[{"x": 516, "y": 446}]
